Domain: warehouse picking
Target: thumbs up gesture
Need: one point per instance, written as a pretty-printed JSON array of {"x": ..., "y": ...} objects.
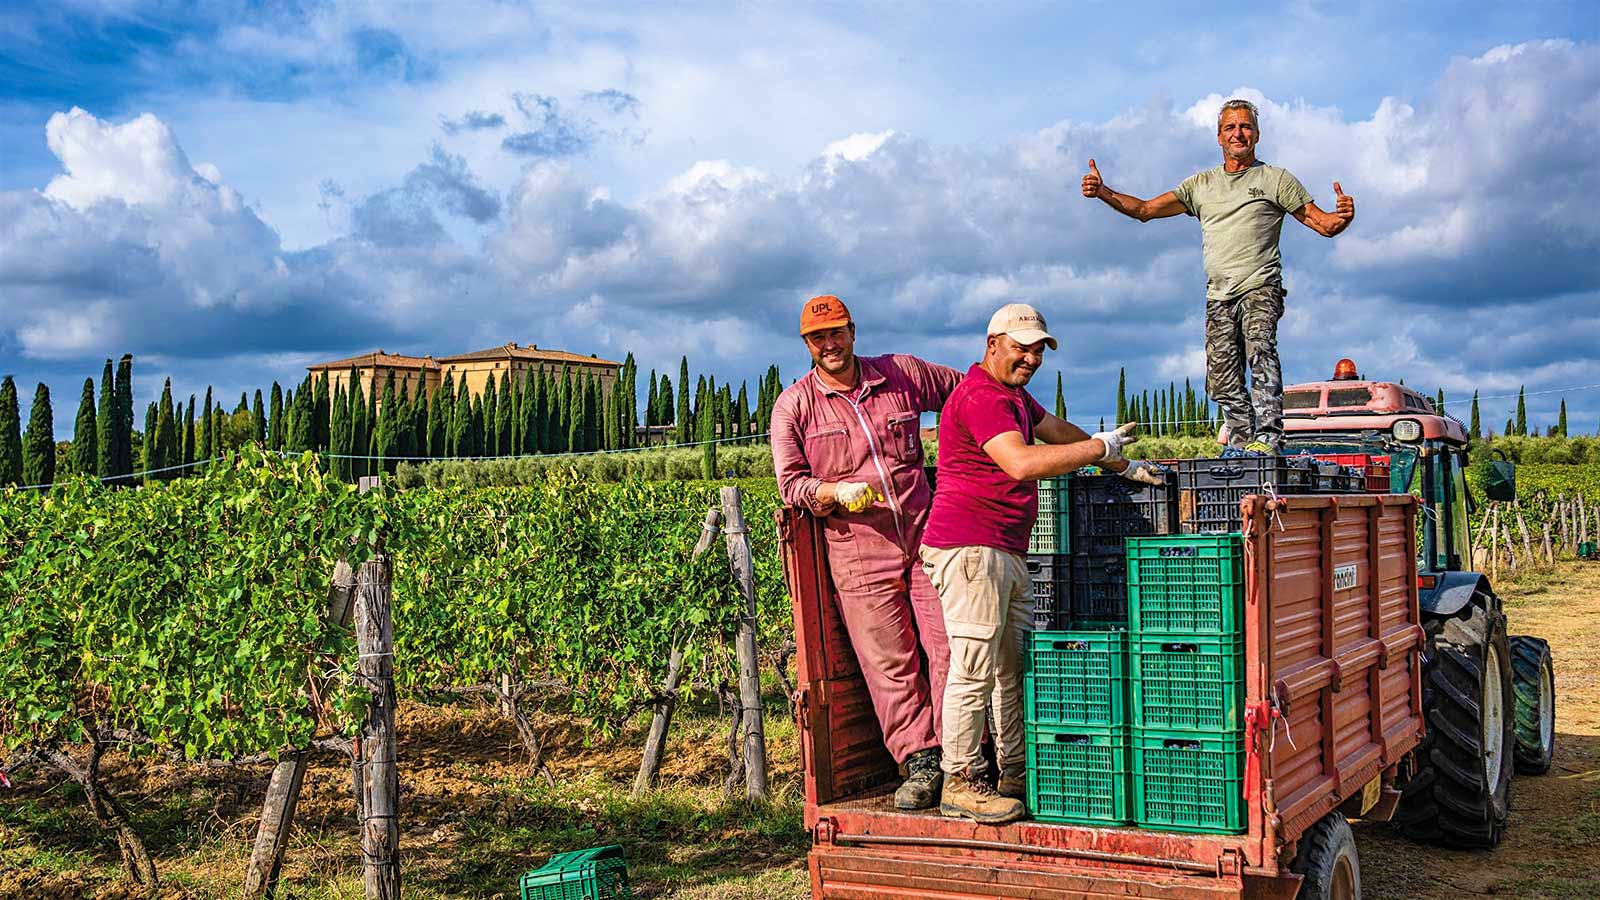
[
  {"x": 1345, "y": 208},
  {"x": 1092, "y": 184}
]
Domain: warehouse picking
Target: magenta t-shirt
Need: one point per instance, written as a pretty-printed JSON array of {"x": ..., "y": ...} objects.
[{"x": 977, "y": 503}]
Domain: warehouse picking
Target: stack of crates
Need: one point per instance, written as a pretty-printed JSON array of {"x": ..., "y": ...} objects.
[
  {"x": 1075, "y": 695},
  {"x": 1049, "y": 563},
  {"x": 598, "y": 873},
  {"x": 1107, "y": 509},
  {"x": 1374, "y": 470},
  {"x": 1186, "y": 671},
  {"x": 1209, "y": 490}
]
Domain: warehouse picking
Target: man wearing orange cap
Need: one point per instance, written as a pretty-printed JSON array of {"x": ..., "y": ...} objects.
[{"x": 847, "y": 444}]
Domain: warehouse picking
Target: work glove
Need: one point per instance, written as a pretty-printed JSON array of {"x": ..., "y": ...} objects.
[
  {"x": 856, "y": 496},
  {"x": 1144, "y": 472},
  {"x": 1116, "y": 440}
]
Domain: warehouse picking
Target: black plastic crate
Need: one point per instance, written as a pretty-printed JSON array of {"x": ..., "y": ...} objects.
[
  {"x": 1108, "y": 508},
  {"x": 1099, "y": 588},
  {"x": 1050, "y": 574},
  {"x": 1209, "y": 490},
  {"x": 1332, "y": 478}
]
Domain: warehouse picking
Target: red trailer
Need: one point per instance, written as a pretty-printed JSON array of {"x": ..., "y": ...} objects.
[{"x": 1333, "y": 711}]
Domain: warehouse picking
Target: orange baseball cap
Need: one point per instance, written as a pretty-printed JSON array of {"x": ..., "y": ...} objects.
[{"x": 823, "y": 312}]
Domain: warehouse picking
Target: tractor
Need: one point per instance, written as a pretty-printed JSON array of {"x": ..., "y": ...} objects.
[{"x": 1489, "y": 697}]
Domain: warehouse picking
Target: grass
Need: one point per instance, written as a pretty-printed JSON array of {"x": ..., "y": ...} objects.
[{"x": 473, "y": 818}]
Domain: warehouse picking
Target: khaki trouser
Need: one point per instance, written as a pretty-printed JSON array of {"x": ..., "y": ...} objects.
[{"x": 987, "y": 599}]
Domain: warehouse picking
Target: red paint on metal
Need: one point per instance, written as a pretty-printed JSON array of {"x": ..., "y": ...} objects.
[{"x": 1333, "y": 699}]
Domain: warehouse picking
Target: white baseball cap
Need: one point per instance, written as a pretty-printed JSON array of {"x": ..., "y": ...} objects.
[{"x": 1022, "y": 323}]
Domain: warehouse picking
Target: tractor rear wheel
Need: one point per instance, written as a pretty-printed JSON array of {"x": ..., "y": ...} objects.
[
  {"x": 1534, "y": 677},
  {"x": 1460, "y": 794},
  {"x": 1327, "y": 858}
]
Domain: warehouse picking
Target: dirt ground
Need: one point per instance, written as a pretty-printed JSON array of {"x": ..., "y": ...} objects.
[
  {"x": 474, "y": 816},
  {"x": 1552, "y": 845}
]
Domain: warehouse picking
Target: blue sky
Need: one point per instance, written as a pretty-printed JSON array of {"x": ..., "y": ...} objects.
[{"x": 233, "y": 192}]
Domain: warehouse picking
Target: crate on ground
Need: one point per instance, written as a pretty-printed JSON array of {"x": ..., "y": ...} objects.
[
  {"x": 1187, "y": 682},
  {"x": 1186, "y": 781},
  {"x": 1209, "y": 490},
  {"x": 1099, "y": 588},
  {"x": 1108, "y": 508},
  {"x": 1186, "y": 584},
  {"x": 1079, "y": 775},
  {"x": 598, "y": 873},
  {"x": 1050, "y": 574},
  {"x": 1052, "y": 532},
  {"x": 1076, "y": 677}
]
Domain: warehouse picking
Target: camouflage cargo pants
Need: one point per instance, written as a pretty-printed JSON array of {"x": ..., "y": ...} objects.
[{"x": 1244, "y": 330}]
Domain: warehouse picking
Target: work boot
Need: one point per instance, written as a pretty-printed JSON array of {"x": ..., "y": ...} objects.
[
  {"x": 1260, "y": 448},
  {"x": 1014, "y": 782},
  {"x": 967, "y": 795},
  {"x": 924, "y": 778}
]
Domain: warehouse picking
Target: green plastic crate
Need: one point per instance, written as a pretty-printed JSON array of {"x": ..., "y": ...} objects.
[
  {"x": 598, "y": 873},
  {"x": 1052, "y": 532},
  {"x": 1187, "y": 682},
  {"x": 1188, "y": 781},
  {"x": 1076, "y": 677},
  {"x": 1079, "y": 775},
  {"x": 1186, "y": 584}
]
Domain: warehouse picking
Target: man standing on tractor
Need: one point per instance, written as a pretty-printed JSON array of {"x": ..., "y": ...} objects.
[
  {"x": 1240, "y": 205},
  {"x": 976, "y": 544},
  {"x": 847, "y": 444}
]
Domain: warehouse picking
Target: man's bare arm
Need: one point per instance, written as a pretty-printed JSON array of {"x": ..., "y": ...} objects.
[
  {"x": 1325, "y": 223},
  {"x": 1030, "y": 462},
  {"x": 1162, "y": 207}
]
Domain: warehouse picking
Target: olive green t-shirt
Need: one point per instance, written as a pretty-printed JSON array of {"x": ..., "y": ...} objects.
[{"x": 1241, "y": 216}]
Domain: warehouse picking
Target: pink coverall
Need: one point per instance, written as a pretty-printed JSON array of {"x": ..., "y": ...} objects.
[{"x": 885, "y": 598}]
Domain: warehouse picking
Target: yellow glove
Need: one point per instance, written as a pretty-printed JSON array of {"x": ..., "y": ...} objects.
[{"x": 856, "y": 496}]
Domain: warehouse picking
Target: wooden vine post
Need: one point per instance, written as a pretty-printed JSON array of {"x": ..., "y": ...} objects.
[
  {"x": 655, "y": 745},
  {"x": 375, "y": 749},
  {"x": 283, "y": 791},
  {"x": 741, "y": 559}
]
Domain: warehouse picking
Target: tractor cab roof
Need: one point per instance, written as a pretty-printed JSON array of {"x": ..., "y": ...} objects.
[{"x": 1351, "y": 405}]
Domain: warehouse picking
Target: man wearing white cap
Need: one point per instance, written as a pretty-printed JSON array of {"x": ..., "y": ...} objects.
[{"x": 975, "y": 546}]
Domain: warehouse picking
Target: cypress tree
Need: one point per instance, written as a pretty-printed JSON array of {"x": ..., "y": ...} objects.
[
  {"x": 205, "y": 449},
  {"x": 650, "y": 402},
  {"x": 148, "y": 444},
  {"x": 460, "y": 415},
  {"x": 683, "y": 425},
  {"x": 440, "y": 409},
  {"x": 478, "y": 429},
  {"x": 300, "y": 426},
  {"x": 518, "y": 398},
  {"x": 275, "y": 418},
  {"x": 1561, "y": 421},
  {"x": 147, "y": 456},
  {"x": 258, "y": 420},
  {"x": 187, "y": 438},
  {"x": 218, "y": 446},
  {"x": 490, "y": 398},
  {"x": 360, "y": 429},
  {"x": 1438, "y": 402},
  {"x": 412, "y": 416},
  {"x": 385, "y": 429},
  {"x": 708, "y": 445},
  {"x": 597, "y": 413},
  {"x": 504, "y": 415},
  {"x": 529, "y": 429},
  {"x": 1522, "y": 411},
  {"x": 1122, "y": 395},
  {"x": 123, "y": 438},
  {"x": 1477, "y": 423},
  {"x": 1061, "y": 399},
  {"x": 105, "y": 454},
  {"x": 39, "y": 443},
  {"x": 339, "y": 435},
  {"x": 630, "y": 401},
  {"x": 664, "y": 402},
  {"x": 575, "y": 420},
  {"x": 322, "y": 412},
  {"x": 85, "y": 439},
  {"x": 742, "y": 412},
  {"x": 168, "y": 453},
  {"x": 369, "y": 424}
]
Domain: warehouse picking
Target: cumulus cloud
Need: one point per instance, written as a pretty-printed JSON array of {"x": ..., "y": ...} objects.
[
  {"x": 472, "y": 120},
  {"x": 1468, "y": 249}
]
